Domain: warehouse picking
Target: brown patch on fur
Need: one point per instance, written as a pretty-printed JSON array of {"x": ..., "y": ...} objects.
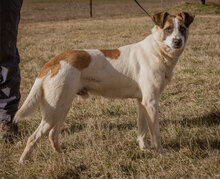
[
  {"x": 77, "y": 58},
  {"x": 181, "y": 21},
  {"x": 168, "y": 26},
  {"x": 186, "y": 17},
  {"x": 169, "y": 21},
  {"x": 53, "y": 65},
  {"x": 160, "y": 18},
  {"x": 113, "y": 54},
  {"x": 183, "y": 25}
]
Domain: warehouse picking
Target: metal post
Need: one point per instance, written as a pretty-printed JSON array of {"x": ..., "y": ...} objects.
[{"x": 90, "y": 8}]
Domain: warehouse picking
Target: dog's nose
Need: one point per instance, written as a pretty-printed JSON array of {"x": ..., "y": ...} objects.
[{"x": 177, "y": 42}]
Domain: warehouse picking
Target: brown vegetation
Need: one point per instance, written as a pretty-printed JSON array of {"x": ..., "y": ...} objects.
[{"x": 99, "y": 135}]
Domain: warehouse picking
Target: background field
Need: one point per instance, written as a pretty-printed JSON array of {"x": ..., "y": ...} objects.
[{"x": 99, "y": 135}]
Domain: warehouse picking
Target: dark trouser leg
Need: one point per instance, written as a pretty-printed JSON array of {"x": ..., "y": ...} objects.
[
  {"x": 9, "y": 59},
  {"x": 9, "y": 92}
]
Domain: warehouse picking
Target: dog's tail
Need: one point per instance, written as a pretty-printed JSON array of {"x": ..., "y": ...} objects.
[{"x": 31, "y": 102}]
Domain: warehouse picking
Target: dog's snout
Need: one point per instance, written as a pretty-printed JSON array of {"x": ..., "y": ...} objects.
[{"x": 177, "y": 42}]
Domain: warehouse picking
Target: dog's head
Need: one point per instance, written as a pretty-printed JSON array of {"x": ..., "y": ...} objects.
[{"x": 172, "y": 30}]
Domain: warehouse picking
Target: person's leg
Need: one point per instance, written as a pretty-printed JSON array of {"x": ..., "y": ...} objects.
[{"x": 9, "y": 64}]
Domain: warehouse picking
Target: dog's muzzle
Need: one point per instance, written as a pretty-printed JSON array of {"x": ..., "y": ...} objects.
[{"x": 177, "y": 43}]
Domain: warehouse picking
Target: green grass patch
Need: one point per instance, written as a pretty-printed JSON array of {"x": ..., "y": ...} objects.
[{"x": 196, "y": 8}]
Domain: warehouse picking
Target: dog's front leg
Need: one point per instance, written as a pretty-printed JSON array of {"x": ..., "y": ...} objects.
[
  {"x": 142, "y": 126},
  {"x": 151, "y": 111}
]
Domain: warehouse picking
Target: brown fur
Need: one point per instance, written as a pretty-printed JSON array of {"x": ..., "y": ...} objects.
[
  {"x": 186, "y": 17},
  {"x": 168, "y": 24},
  {"x": 169, "y": 21},
  {"x": 113, "y": 54},
  {"x": 160, "y": 18},
  {"x": 77, "y": 58}
]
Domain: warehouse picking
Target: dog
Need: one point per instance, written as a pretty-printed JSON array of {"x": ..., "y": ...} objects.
[{"x": 140, "y": 70}]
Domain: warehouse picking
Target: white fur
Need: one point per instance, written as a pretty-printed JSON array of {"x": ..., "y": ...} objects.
[
  {"x": 141, "y": 71},
  {"x": 31, "y": 102},
  {"x": 175, "y": 34}
]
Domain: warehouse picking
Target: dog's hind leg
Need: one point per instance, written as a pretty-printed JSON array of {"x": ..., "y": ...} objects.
[
  {"x": 42, "y": 129},
  {"x": 55, "y": 131},
  {"x": 54, "y": 137},
  {"x": 59, "y": 117},
  {"x": 52, "y": 119},
  {"x": 57, "y": 95},
  {"x": 63, "y": 100}
]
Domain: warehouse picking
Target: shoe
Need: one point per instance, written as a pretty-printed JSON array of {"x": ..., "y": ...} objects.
[{"x": 8, "y": 131}]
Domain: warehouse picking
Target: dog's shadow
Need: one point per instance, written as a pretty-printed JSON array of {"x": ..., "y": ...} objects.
[
  {"x": 77, "y": 127},
  {"x": 72, "y": 172},
  {"x": 210, "y": 120}
]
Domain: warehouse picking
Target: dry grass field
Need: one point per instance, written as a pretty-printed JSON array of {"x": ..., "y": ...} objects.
[
  {"x": 53, "y": 10},
  {"x": 99, "y": 135}
]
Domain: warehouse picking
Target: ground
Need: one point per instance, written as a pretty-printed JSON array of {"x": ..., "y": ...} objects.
[{"x": 99, "y": 135}]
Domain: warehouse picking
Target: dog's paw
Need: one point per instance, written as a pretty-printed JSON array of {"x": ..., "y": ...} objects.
[
  {"x": 21, "y": 161},
  {"x": 143, "y": 145},
  {"x": 164, "y": 153}
]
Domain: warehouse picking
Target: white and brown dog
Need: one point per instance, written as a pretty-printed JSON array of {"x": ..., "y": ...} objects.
[{"x": 141, "y": 71}]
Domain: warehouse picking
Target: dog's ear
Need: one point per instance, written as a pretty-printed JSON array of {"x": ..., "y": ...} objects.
[
  {"x": 186, "y": 17},
  {"x": 160, "y": 18}
]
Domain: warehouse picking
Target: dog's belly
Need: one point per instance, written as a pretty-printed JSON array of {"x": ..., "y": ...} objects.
[
  {"x": 111, "y": 88},
  {"x": 120, "y": 92}
]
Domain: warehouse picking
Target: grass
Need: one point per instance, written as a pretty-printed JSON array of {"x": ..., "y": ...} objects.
[
  {"x": 57, "y": 10},
  {"x": 99, "y": 135},
  {"x": 197, "y": 8},
  {"x": 60, "y": 10}
]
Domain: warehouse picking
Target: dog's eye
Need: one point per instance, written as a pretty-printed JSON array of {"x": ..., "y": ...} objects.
[
  {"x": 182, "y": 29},
  {"x": 169, "y": 30}
]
